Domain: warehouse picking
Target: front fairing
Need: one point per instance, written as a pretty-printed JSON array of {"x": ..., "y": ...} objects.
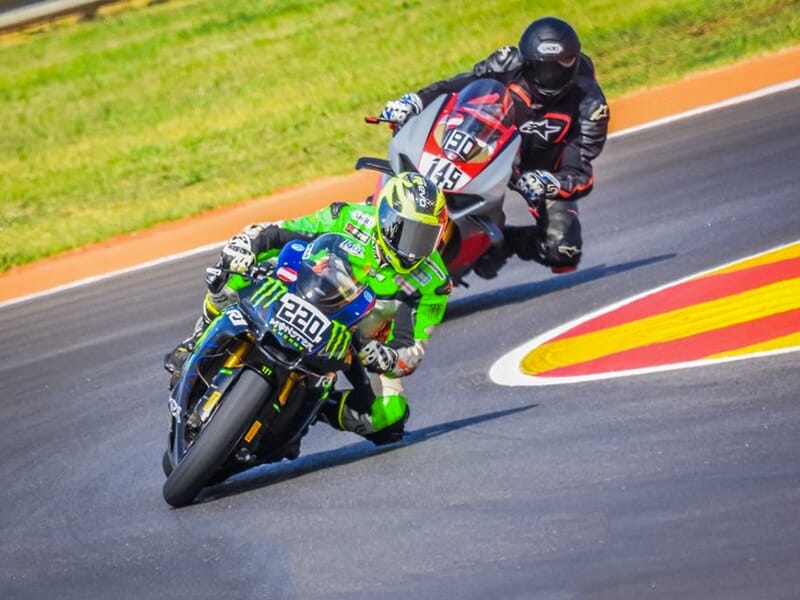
[
  {"x": 280, "y": 314},
  {"x": 464, "y": 157},
  {"x": 290, "y": 264},
  {"x": 279, "y": 325}
]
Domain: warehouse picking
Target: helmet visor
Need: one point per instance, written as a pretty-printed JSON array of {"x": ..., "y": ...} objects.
[
  {"x": 412, "y": 241},
  {"x": 550, "y": 76}
]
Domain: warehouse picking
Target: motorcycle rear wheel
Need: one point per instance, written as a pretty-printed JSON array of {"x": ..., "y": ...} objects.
[{"x": 217, "y": 440}]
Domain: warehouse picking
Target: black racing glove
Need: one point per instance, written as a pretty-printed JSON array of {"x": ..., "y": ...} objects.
[{"x": 536, "y": 186}]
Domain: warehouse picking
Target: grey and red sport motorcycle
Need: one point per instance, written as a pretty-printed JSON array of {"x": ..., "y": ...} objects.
[{"x": 467, "y": 144}]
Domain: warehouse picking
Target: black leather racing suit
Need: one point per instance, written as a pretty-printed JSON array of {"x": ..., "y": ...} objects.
[{"x": 562, "y": 135}]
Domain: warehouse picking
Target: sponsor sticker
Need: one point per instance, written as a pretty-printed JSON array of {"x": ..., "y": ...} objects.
[
  {"x": 360, "y": 235},
  {"x": 363, "y": 218},
  {"x": 352, "y": 248}
]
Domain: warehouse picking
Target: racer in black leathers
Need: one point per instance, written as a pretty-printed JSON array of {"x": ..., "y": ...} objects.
[{"x": 562, "y": 116}]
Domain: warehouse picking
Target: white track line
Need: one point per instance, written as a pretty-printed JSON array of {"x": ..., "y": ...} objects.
[
  {"x": 96, "y": 278},
  {"x": 767, "y": 91}
]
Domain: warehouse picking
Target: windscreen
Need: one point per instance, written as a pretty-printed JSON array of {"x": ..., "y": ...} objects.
[
  {"x": 326, "y": 278},
  {"x": 482, "y": 115}
]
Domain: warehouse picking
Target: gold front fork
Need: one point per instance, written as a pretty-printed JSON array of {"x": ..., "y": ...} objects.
[
  {"x": 283, "y": 396},
  {"x": 236, "y": 359},
  {"x": 288, "y": 386}
]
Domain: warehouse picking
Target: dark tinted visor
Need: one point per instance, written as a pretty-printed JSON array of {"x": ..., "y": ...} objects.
[
  {"x": 412, "y": 241},
  {"x": 550, "y": 76}
]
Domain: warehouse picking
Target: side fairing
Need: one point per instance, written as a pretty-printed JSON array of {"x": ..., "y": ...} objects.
[{"x": 225, "y": 327}]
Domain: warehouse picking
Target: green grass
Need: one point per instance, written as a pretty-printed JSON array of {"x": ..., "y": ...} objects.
[{"x": 154, "y": 113}]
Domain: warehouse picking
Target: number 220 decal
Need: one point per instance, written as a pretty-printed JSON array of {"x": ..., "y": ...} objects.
[{"x": 301, "y": 320}]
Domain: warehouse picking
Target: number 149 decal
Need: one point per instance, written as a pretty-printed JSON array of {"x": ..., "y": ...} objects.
[{"x": 442, "y": 172}]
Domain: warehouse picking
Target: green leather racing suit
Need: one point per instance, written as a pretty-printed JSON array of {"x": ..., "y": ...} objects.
[{"x": 409, "y": 306}]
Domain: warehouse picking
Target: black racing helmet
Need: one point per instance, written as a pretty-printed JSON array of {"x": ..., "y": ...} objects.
[{"x": 550, "y": 49}]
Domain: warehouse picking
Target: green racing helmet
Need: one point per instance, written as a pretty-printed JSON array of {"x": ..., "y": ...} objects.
[{"x": 412, "y": 213}]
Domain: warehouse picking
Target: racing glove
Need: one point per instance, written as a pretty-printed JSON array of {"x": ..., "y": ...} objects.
[
  {"x": 377, "y": 357},
  {"x": 237, "y": 254},
  {"x": 536, "y": 186},
  {"x": 398, "y": 111}
]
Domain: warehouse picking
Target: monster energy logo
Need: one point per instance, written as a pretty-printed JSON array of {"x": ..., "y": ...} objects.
[
  {"x": 268, "y": 293},
  {"x": 338, "y": 342}
]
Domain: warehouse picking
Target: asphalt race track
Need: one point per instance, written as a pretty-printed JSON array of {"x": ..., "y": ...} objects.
[{"x": 683, "y": 484}]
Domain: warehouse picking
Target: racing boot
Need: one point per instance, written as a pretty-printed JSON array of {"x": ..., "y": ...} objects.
[
  {"x": 525, "y": 242},
  {"x": 384, "y": 423},
  {"x": 488, "y": 265},
  {"x": 173, "y": 360}
]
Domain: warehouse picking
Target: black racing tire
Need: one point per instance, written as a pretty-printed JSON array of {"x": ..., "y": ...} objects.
[
  {"x": 216, "y": 441},
  {"x": 166, "y": 464}
]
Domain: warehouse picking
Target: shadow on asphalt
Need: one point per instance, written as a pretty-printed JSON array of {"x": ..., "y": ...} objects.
[
  {"x": 275, "y": 473},
  {"x": 464, "y": 307}
]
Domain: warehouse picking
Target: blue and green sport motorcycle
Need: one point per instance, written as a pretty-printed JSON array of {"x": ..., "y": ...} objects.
[{"x": 263, "y": 369}]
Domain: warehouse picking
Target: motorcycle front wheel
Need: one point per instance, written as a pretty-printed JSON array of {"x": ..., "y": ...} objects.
[
  {"x": 166, "y": 464},
  {"x": 217, "y": 440}
]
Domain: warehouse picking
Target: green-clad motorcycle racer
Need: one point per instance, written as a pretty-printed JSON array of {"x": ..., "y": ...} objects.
[{"x": 402, "y": 227}]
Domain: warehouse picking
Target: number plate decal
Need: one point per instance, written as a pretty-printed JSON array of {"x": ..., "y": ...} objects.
[
  {"x": 299, "y": 320},
  {"x": 442, "y": 172}
]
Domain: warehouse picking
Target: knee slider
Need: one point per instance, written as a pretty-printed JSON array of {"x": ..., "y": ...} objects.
[
  {"x": 563, "y": 246},
  {"x": 382, "y": 423},
  {"x": 389, "y": 410},
  {"x": 389, "y": 416}
]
